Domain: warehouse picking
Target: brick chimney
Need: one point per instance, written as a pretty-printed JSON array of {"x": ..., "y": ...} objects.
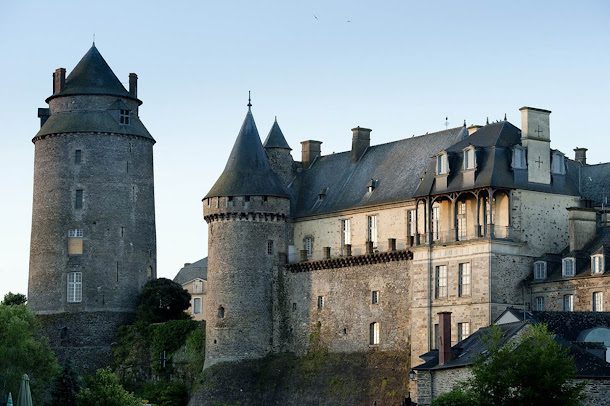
[
  {"x": 133, "y": 84},
  {"x": 310, "y": 150},
  {"x": 444, "y": 347},
  {"x": 582, "y": 226},
  {"x": 361, "y": 140},
  {"x": 580, "y": 155},
  {"x": 59, "y": 80}
]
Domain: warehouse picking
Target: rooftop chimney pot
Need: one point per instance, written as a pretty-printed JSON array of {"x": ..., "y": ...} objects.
[
  {"x": 310, "y": 150},
  {"x": 59, "y": 80},
  {"x": 444, "y": 347},
  {"x": 361, "y": 140},
  {"x": 133, "y": 84},
  {"x": 580, "y": 155}
]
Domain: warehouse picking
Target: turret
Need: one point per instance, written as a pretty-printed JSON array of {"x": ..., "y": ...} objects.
[
  {"x": 278, "y": 152},
  {"x": 246, "y": 212},
  {"x": 93, "y": 219}
]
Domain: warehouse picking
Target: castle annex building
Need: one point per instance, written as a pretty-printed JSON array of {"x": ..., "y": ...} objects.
[{"x": 93, "y": 243}]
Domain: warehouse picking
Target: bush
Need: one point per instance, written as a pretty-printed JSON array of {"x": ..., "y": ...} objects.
[
  {"x": 14, "y": 299},
  {"x": 104, "y": 389},
  {"x": 165, "y": 393},
  {"x": 168, "y": 337},
  {"x": 162, "y": 300},
  {"x": 456, "y": 397}
]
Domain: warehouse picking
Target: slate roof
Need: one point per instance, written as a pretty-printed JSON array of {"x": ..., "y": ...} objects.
[
  {"x": 397, "y": 167},
  {"x": 192, "y": 271},
  {"x": 247, "y": 172},
  {"x": 93, "y": 76},
  {"x": 275, "y": 138},
  {"x": 595, "y": 183},
  {"x": 567, "y": 327},
  {"x": 494, "y": 143}
]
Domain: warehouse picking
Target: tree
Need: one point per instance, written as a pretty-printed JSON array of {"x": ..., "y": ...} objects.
[
  {"x": 14, "y": 299},
  {"x": 104, "y": 389},
  {"x": 66, "y": 387},
  {"x": 531, "y": 370},
  {"x": 162, "y": 300},
  {"x": 24, "y": 351}
]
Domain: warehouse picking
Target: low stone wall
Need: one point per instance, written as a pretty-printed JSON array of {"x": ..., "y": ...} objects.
[{"x": 596, "y": 392}]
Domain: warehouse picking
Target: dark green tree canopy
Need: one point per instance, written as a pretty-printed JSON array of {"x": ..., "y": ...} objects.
[
  {"x": 163, "y": 300},
  {"x": 104, "y": 389},
  {"x": 14, "y": 299}
]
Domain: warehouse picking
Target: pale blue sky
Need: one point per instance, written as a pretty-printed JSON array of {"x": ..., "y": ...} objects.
[{"x": 323, "y": 67}]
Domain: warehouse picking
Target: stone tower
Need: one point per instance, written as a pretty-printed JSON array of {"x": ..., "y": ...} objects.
[
  {"x": 93, "y": 243},
  {"x": 246, "y": 212},
  {"x": 278, "y": 152}
]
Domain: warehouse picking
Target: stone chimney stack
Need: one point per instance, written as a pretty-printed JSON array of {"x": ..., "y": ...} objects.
[
  {"x": 59, "y": 80},
  {"x": 133, "y": 84},
  {"x": 444, "y": 347},
  {"x": 580, "y": 155},
  {"x": 310, "y": 150},
  {"x": 361, "y": 140},
  {"x": 536, "y": 137},
  {"x": 473, "y": 129},
  {"x": 582, "y": 226}
]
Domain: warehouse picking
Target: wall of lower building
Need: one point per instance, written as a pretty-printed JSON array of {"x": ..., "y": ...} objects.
[
  {"x": 596, "y": 392},
  {"x": 581, "y": 287},
  {"x": 433, "y": 383},
  {"x": 195, "y": 294}
]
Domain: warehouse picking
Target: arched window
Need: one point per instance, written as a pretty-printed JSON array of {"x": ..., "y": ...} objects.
[
  {"x": 442, "y": 164},
  {"x": 221, "y": 312},
  {"x": 374, "y": 333}
]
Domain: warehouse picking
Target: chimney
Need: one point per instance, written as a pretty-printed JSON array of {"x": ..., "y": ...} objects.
[
  {"x": 133, "y": 84},
  {"x": 43, "y": 114},
  {"x": 536, "y": 137},
  {"x": 310, "y": 150},
  {"x": 444, "y": 348},
  {"x": 473, "y": 129},
  {"x": 582, "y": 226},
  {"x": 580, "y": 155},
  {"x": 59, "y": 80},
  {"x": 361, "y": 140}
]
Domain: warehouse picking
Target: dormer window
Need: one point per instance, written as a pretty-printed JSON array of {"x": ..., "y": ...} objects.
[
  {"x": 371, "y": 185},
  {"x": 470, "y": 158},
  {"x": 597, "y": 264},
  {"x": 442, "y": 164},
  {"x": 567, "y": 267},
  {"x": 539, "y": 270},
  {"x": 124, "y": 116},
  {"x": 322, "y": 193},
  {"x": 558, "y": 163},
  {"x": 519, "y": 161}
]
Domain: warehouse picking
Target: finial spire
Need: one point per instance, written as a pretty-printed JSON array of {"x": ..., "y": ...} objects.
[
  {"x": 464, "y": 123},
  {"x": 93, "y": 39},
  {"x": 504, "y": 116},
  {"x": 276, "y": 119},
  {"x": 487, "y": 122},
  {"x": 249, "y": 101}
]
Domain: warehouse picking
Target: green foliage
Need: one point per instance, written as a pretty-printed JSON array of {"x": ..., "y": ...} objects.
[
  {"x": 14, "y": 299},
  {"x": 162, "y": 300},
  {"x": 168, "y": 337},
  {"x": 104, "y": 389},
  {"x": 22, "y": 350},
  {"x": 195, "y": 351},
  {"x": 66, "y": 387},
  {"x": 163, "y": 393},
  {"x": 532, "y": 370},
  {"x": 456, "y": 397}
]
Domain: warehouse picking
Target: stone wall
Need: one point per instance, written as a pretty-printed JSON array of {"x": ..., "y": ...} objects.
[
  {"x": 596, "y": 392},
  {"x": 581, "y": 287}
]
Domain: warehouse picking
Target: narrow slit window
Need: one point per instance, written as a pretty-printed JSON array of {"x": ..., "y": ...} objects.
[
  {"x": 374, "y": 334},
  {"x": 375, "y": 297},
  {"x": 78, "y": 156},
  {"x": 78, "y": 199}
]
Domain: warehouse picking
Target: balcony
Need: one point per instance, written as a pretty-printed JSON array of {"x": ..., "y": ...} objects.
[{"x": 489, "y": 231}]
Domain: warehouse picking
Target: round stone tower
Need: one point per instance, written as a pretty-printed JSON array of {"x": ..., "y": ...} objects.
[
  {"x": 93, "y": 243},
  {"x": 246, "y": 212}
]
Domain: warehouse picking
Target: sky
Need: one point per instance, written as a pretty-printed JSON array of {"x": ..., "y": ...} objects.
[{"x": 321, "y": 67}]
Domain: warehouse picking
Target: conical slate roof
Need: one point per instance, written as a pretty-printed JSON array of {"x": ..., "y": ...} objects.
[
  {"x": 93, "y": 76},
  {"x": 275, "y": 138},
  {"x": 247, "y": 172}
]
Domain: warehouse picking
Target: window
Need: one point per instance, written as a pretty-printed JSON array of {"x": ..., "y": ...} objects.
[
  {"x": 441, "y": 281},
  {"x": 411, "y": 223},
  {"x": 124, "y": 116},
  {"x": 269, "y": 247},
  {"x": 463, "y": 330},
  {"x": 557, "y": 163},
  {"x": 435, "y": 222},
  {"x": 375, "y": 297},
  {"x": 539, "y": 303},
  {"x": 198, "y": 286},
  {"x": 519, "y": 161},
  {"x": 598, "y": 302},
  {"x": 442, "y": 164},
  {"x": 374, "y": 334},
  {"x": 464, "y": 279},
  {"x": 320, "y": 302},
  {"x": 221, "y": 312},
  {"x": 469, "y": 158},
  {"x": 78, "y": 156},
  {"x": 568, "y": 303},
  {"x": 75, "y": 233},
  {"x": 346, "y": 234},
  {"x": 461, "y": 220},
  {"x": 308, "y": 246},
  {"x": 539, "y": 270},
  {"x": 567, "y": 267},
  {"x": 75, "y": 242},
  {"x": 597, "y": 264},
  {"x": 78, "y": 199},
  {"x": 371, "y": 185},
  {"x": 197, "y": 305},
  {"x": 75, "y": 287},
  {"x": 436, "y": 338},
  {"x": 372, "y": 230},
  {"x": 294, "y": 306}
]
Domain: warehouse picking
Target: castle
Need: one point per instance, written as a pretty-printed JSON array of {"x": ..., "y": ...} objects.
[{"x": 356, "y": 251}]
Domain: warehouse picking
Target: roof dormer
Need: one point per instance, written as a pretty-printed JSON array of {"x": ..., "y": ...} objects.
[
  {"x": 470, "y": 158},
  {"x": 519, "y": 160},
  {"x": 442, "y": 163},
  {"x": 558, "y": 166}
]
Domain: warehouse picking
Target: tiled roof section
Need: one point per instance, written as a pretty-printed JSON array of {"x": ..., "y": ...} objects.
[
  {"x": 92, "y": 121},
  {"x": 275, "y": 138},
  {"x": 192, "y": 271},
  {"x": 247, "y": 172},
  {"x": 595, "y": 182},
  {"x": 494, "y": 143},
  {"x": 397, "y": 168},
  {"x": 92, "y": 75}
]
